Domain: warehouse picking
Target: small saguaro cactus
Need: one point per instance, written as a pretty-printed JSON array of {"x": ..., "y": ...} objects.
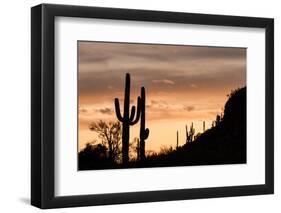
[
  {"x": 191, "y": 133},
  {"x": 186, "y": 135},
  {"x": 128, "y": 119},
  {"x": 144, "y": 132},
  {"x": 204, "y": 126},
  {"x": 177, "y": 140}
]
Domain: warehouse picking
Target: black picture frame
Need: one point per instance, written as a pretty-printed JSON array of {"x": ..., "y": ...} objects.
[{"x": 43, "y": 117}]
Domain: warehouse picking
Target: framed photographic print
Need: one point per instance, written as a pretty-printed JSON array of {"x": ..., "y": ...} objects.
[{"x": 140, "y": 106}]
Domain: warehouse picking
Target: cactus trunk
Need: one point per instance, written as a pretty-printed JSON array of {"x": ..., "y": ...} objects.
[
  {"x": 138, "y": 149},
  {"x": 203, "y": 126},
  {"x": 126, "y": 125},
  {"x": 125, "y": 143},
  {"x": 144, "y": 132},
  {"x": 177, "y": 140},
  {"x": 186, "y": 135},
  {"x": 128, "y": 119}
]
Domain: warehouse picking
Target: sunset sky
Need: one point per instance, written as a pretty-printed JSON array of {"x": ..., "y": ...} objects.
[{"x": 183, "y": 84}]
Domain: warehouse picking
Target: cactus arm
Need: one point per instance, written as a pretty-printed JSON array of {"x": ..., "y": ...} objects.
[
  {"x": 132, "y": 122},
  {"x": 117, "y": 110},
  {"x": 133, "y": 110},
  {"x": 146, "y": 133}
]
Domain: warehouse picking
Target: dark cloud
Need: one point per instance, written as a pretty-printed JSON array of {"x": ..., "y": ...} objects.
[
  {"x": 159, "y": 68},
  {"x": 82, "y": 110},
  {"x": 189, "y": 108},
  {"x": 107, "y": 111},
  {"x": 101, "y": 51}
]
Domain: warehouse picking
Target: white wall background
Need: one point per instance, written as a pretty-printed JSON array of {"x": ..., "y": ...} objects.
[{"x": 15, "y": 105}]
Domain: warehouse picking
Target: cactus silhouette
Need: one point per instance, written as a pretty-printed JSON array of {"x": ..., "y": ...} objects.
[
  {"x": 186, "y": 135},
  {"x": 204, "y": 126},
  {"x": 138, "y": 149},
  {"x": 128, "y": 119},
  {"x": 191, "y": 133},
  {"x": 177, "y": 140},
  {"x": 144, "y": 132}
]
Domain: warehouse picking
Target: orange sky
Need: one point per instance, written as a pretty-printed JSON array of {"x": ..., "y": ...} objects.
[{"x": 183, "y": 84}]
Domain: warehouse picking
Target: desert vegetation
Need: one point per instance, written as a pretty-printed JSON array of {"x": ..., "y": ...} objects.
[{"x": 223, "y": 143}]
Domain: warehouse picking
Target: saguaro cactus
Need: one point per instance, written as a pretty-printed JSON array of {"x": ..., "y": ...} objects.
[
  {"x": 138, "y": 149},
  {"x": 177, "y": 140},
  {"x": 186, "y": 135},
  {"x": 191, "y": 133},
  {"x": 203, "y": 126},
  {"x": 128, "y": 119},
  {"x": 144, "y": 132}
]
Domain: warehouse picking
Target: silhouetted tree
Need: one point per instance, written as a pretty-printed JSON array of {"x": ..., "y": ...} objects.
[
  {"x": 110, "y": 135},
  {"x": 134, "y": 149},
  {"x": 93, "y": 156}
]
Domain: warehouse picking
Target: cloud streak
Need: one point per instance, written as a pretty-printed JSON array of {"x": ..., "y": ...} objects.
[
  {"x": 164, "y": 81},
  {"x": 189, "y": 108},
  {"x": 106, "y": 110}
]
